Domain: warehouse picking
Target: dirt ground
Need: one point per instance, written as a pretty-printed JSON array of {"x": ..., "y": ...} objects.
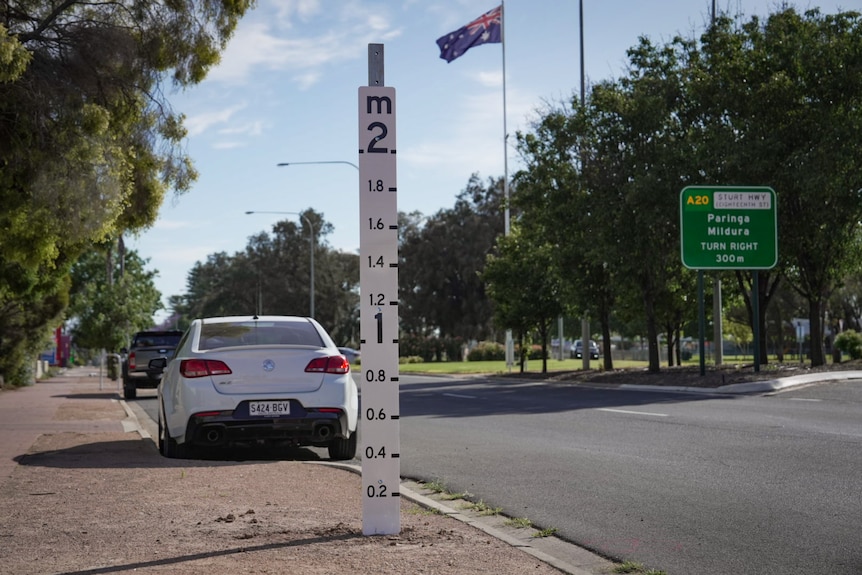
[{"x": 88, "y": 504}]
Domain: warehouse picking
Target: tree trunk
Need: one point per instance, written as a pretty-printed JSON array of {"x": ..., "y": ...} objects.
[
  {"x": 670, "y": 356},
  {"x": 523, "y": 355},
  {"x": 121, "y": 251},
  {"x": 768, "y": 285},
  {"x": 606, "y": 340},
  {"x": 109, "y": 266},
  {"x": 762, "y": 302},
  {"x": 544, "y": 331},
  {"x": 815, "y": 309}
]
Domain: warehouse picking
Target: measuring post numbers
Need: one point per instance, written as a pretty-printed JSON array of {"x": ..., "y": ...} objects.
[
  {"x": 378, "y": 310},
  {"x": 728, "y": 227}
]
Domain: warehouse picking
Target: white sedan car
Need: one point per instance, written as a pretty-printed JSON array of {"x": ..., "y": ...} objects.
[{"x": 257, "y": 380}]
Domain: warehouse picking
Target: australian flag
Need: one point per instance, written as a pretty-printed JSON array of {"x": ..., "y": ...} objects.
[{"x": 487, "y": 28}]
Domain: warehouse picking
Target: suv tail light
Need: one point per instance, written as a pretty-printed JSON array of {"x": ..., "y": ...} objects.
[
  {"x": 336, "y": 364},
  {"x": 190, "y": 368},
  {"x": 132, "y": 360}
]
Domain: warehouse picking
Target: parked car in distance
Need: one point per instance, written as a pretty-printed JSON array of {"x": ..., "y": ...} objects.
[
  {"x": 351, "y": 354},
  {"x": 276, "y": 381},
  {"x": 146, "y": 345},
  {"x": 578, "y": 350}
]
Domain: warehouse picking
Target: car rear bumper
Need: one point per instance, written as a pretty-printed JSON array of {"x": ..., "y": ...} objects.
[
  {"x": 312, "y": 427},
  {"x": 143, "y": 379}
]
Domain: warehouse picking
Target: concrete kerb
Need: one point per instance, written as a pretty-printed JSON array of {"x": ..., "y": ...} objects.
[
  {"x": 753, "y": 387},
  {"x": 478, "y": 523}
]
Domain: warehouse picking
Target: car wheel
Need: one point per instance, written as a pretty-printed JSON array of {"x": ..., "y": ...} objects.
[
  {"x": 343, "y": 449},
  {"x": 161, "y": 438},
  {"x": 130, "y": 391},
  {"x": 169, "y": 447}
]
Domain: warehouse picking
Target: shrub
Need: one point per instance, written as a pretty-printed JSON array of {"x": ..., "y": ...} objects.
[
  {"x": 487, "y": 351},
  {"x": 850, "y": 342},
  {"x": 535, "y": 352}
]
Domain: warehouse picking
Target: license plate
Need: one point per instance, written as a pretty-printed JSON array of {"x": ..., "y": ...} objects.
[{"x": 269, "y": 408}]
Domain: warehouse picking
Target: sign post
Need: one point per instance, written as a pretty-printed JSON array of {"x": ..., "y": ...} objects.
[
  {"x": 378, "y": 281},
  {"x": 722, "y": 228}
]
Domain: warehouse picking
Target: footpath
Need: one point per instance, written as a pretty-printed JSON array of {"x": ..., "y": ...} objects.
[{"x": 84, "y": 491}]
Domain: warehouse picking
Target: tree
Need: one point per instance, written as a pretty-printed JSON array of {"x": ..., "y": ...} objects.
[
  {"x": 438, "y": 273},
  {"x": 271, "y": 276},
  {"x": 105, "y": 310},
  {"x": 524, "y": 284},
  {"x": 88, "y": 141},
  {"x": 782, "y": 97}
]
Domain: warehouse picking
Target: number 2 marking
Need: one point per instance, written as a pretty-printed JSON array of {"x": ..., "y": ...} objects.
[{"x": 372, "y": 149}]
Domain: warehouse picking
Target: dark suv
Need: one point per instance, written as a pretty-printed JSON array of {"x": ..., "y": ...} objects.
[{"x": 146, "y": 345}]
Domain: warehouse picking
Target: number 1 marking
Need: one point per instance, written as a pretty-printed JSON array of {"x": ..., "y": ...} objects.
[{"x": 379, "y": 317}]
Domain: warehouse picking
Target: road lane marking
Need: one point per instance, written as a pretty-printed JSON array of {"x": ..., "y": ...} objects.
[
  {"x": 632, "y": 412},
  {"x": 802, "y": 399},
  {"x": 460, "y": 396}
]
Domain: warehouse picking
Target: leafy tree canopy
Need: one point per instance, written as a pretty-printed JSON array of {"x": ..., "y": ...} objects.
[{"x": 106, "y": 307}]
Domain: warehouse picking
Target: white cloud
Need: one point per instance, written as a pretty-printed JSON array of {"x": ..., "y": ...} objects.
[
  {"x": 199, "y": 123},
  {"x": 474, "y": 142},
  {"x": 186, "y": 256},
  {"x": 308, "y": 79},
  {"x": 166, "y": 224},
  {"x": 304, "y": 9},
  {"x": 490, "y": 79},
  {"x": 248, "y": 129},
  {"x": 229, "y": 145},
  {"x": 268, "y": 40}
]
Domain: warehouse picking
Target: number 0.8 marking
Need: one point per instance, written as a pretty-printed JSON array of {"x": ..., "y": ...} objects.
[{"x": 370, "y": 376}]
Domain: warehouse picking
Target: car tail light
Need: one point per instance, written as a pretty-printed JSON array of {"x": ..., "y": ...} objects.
[
  {"x": 132, "y": 360},
  {"x": 190, "y": 368},
  {"x": 336, "y": 364}
]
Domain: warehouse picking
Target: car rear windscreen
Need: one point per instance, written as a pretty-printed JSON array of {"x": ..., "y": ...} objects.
[
  {"x": 153, "y": 340},
  {"x": 216, "y": 335}
]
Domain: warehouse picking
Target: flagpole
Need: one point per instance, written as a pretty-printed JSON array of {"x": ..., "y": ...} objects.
[
  {"x": 505, "y": 131},
  {"x": 510, "y": 346}
]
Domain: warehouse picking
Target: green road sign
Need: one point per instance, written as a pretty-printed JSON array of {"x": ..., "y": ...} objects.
[{"x": 728, "y": 227}]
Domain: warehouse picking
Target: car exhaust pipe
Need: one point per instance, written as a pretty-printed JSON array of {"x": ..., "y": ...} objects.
[
  {"x": 213, "y": 434},
  {"x": 323, "y": 432}
]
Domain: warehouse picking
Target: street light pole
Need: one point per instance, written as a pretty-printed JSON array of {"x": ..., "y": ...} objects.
[
  {"x": 310, "y": 246},
  {"x": 282, "y": 164}
]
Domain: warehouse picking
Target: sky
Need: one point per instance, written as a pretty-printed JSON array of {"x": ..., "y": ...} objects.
[{"x": 286, "y": 90}]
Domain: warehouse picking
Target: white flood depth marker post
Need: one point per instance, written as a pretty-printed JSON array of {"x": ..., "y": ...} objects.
[{"x": 378, "y": 285}]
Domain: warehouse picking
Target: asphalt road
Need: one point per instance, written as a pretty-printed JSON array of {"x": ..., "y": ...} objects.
[
  {"x": 684, "y": 483},
  {"x": 680, "y": 482}
]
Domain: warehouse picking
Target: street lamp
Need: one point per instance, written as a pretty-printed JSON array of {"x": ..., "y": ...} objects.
[
  {"x": 310, "y": 245},
  {"x": 282, "y": 164}
]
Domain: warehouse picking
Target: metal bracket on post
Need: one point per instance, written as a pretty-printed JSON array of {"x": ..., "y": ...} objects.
[{"x": 375, "y": 65}]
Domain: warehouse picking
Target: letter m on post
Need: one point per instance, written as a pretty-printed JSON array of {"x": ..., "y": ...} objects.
[{"x": 379, "y": 100}]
